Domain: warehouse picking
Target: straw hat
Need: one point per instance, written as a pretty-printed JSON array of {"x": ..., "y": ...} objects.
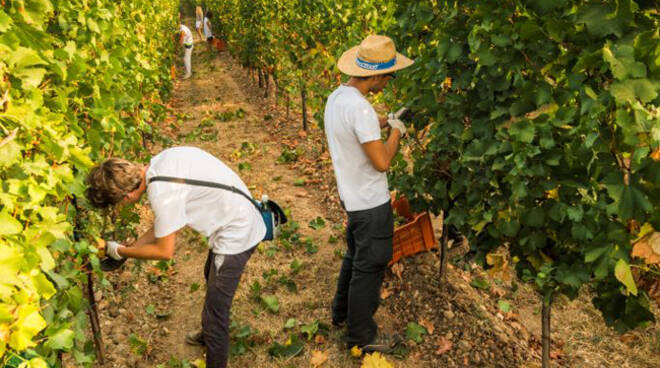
[{"x": 375, "y": 55}]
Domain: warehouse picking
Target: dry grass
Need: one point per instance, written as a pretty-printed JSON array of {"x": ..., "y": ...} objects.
[{"x": 588, "y": 342}]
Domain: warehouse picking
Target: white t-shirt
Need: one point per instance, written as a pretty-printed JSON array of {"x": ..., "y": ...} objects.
[
  {"x": 187, "y": 35},
  {"x": 350, "y": 120},
  {"x": 207, "y": 28},
  {"x": 231, "y": 222}
]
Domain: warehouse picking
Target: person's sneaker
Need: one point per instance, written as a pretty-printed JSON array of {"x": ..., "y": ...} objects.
[
  {"x": 195, "y": 338},
  {"x": 187, "y": 76},
  {"x": 384, "y": 344}
]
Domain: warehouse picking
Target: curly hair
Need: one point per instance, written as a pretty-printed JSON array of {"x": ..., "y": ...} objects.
[{"x": 111, "y": 181}]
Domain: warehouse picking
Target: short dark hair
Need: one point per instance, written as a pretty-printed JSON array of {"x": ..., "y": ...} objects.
[
  {"x": 209, "y": 14},
  {"x": 111, "y": 181},
  {"x": 371, "y": 76}
]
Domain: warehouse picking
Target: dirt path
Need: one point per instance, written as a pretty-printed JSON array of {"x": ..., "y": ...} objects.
[{"x": 148, "y": 312}]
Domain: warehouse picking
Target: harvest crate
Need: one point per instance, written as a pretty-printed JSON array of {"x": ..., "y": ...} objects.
[
  {"x": 413, "y": 237},
  {"x": 220, "y": 44}
]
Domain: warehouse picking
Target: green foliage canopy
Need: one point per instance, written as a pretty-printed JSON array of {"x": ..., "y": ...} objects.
[{"x": 79, "y": 80}]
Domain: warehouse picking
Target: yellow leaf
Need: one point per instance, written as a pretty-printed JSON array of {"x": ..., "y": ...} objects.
[
  {"x": 552, "y": 193},
  {"x": 375, "y": 360},
  {"x": 656, "y": 154},
  {"x": 623, "y": 274},
  {"x": 199, "y": 363},
  {"x": 446, "y": 83},
  {"x": 648, "y": 248},
  {"x": 500, "y": 265},
  {"x": 480, "y": 225},
  {"x": 318, "y": 358},
  {"x": 37, "y": 363},
  {"x": 645, "y": 230},
  {"x": 356, "y": 352}
]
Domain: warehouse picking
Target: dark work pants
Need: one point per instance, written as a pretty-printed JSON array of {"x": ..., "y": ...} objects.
[
  {"x": 369, "y": 239},
  {"x": 221, "y": 285}
]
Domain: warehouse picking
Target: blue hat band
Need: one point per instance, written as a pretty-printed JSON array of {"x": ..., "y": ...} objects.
[{"x": 375, "y": 66}]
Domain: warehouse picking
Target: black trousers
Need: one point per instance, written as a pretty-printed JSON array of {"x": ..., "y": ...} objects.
[
  {"x": 369, "y": 239},
  {"x": 221, "y": 286}
]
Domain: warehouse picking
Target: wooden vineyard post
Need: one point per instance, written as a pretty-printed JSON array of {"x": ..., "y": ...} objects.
[
  {"x": 288, "y": 106},
  {"x": 94, "y": 318},
  {"x": 545, "y": 332},
  {"x": 266, "y": 84},
  {"x": 443, "y": 251},
  {"x": 303, "y": 96},
  {"x": 277, "y": 88}
]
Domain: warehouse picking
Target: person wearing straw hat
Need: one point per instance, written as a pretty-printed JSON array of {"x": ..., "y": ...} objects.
[{"x": 360, "y": 160}]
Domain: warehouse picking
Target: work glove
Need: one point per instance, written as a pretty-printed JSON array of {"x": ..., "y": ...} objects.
[
  {"x": 111, "y": 248},
  {"x": 401, "y": 112},
  {"x": 395, "y": 123}
]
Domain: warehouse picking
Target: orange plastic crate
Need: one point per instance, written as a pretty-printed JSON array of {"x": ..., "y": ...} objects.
[
  {"x": 220, "y": 44},
  {"x": 415, "y": 236}
]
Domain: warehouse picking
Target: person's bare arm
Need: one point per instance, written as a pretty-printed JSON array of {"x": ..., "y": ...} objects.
[
  {"x": 150, "y": 247},
  {"x": 381, "y": 153},
  {"x": 146, "y": 238}
]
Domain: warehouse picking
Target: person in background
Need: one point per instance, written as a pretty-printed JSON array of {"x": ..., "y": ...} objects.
[
  {"x": 231, "y": 222},
  {"x": 208, "y": 33},
  {"x": 186, "y": 40},
  {"x": 199, "y": 18},
  {"x": 360, "y": 160}
]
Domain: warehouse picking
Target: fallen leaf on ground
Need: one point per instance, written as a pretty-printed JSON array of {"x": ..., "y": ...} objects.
[
  {"x": 444, "y": 345},
  {"x": 356, "y": 352},
  {"x": 319, "y": 339},
  {"x": 318, "y": 358},
  {"x": 199, "y": 363},
  {"x": 627, "y": 338},
  {"x": 375, "y": 360},
  {"x": 556, "y": 354},
  {"x": 428, "y": 325},
  {"x": 500, "y": 266},
  {"x": 397, "y": 269},
  {"x": 385, "y": 293},
  {"x": 511, "y": 315}
]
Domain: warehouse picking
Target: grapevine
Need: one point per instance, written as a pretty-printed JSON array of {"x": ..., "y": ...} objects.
[
  {"x": 536, "y": 129},
  {"x": 78, "y": 81}
]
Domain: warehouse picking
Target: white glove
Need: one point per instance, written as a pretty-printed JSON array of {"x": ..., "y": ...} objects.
[
  {"x": 111, "y": 248},
  {"x": 401, "y": 111},
  {"x": 395, "y": 123}
]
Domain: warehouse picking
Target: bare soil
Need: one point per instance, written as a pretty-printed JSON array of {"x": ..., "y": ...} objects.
[{"x": 149, "y": 307}]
